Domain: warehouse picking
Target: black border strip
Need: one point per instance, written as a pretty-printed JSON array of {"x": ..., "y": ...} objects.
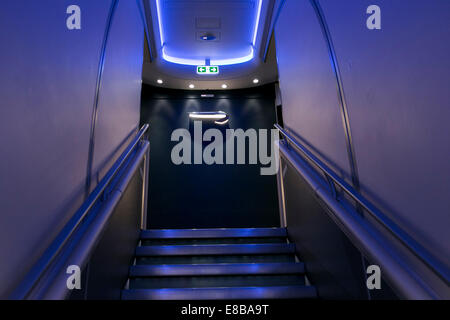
[
  {"x": 274, "y": 19},
  {"x": 144, "y": 12}
]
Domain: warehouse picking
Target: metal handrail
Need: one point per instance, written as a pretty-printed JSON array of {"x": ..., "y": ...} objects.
[
  {"x": 64, "y": 235},
  {"x": 412, "y": 245}
]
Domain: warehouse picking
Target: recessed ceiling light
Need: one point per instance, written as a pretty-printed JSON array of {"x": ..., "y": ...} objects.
[
  {"x": 255, "y": 81},
  {"x": 224, "y": 86},
  {"x": 160, "y": 81},
  {"x": 191, "y": 86}
]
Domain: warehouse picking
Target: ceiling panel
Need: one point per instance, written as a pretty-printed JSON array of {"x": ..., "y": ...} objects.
[{"x": 232, "y": 22}]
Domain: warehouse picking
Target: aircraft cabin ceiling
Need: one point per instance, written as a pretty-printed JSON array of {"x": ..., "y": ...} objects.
[{"x": 229, "y": 34}]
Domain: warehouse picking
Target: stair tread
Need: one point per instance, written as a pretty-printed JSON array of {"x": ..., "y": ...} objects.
[
  {"x": 218, "y": 293},
  {"x": 216, "y": 269},
  {"x": 221, "y": 249},
  {"x": 212, "y": 275},
  {"x": 213, "y": 233},
  {"x": 208, "y": 259},
  {"x": 190, "y": 241},
  {"x": 217, "y": 281}
]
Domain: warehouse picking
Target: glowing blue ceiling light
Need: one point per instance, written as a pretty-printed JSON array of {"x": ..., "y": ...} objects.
[
  {"x": 198, "y": 62},
  {"x": 158, "y": 9},
  {"x": 258, "y": 15}
]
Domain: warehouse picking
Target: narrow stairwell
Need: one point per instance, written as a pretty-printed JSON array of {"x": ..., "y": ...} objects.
[{"x": 216, "y": 264}]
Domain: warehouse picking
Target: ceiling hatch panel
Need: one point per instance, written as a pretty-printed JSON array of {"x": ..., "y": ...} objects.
[
  {"x": 208, "y": 23},
  {"x": 229, "y": 25}
]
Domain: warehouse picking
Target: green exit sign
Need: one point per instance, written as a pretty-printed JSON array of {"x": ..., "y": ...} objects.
[{"x": 207, "y": 70}]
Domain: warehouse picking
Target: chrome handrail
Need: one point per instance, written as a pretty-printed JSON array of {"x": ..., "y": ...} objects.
[
  {"x": 29, "y": 282},
  {"x": 412, "y": 245}
]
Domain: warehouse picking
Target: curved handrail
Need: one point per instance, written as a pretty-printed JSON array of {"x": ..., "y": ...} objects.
[
  {"x": 64, "y": 235},
  {"x": 412, "y": 245}
]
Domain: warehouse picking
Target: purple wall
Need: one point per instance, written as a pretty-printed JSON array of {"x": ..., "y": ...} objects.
[
  {"x": 47, "y": 87},
  {"x": 307, "y": 84},
  {"x": 396, "y": 88}
]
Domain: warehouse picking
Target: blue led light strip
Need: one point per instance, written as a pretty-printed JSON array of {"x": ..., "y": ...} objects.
[
  {"x": 158, "y": 9},
  {"x": 258, "y": 16}
]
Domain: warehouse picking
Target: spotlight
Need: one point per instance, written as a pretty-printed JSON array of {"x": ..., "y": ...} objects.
[
  {"x": 160, "y": 81},
  {"x": 191, "y": 86},
  {"x": 224, "y": 86},
  {"x": 255, "y": 81}
]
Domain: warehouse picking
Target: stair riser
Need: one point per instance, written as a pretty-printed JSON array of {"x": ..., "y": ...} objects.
[
  {"x": 216, "y": 264},
  {"x": 214, "y": 259},
  {"x": 214, "y": 233},
  {"x": 233, "y": 249},
  {"x": 217, "y": 269},
  {"x": 238, "y": 293},
  {"x": 216, "y": 281},
  {"x": 162, "y": 242}
]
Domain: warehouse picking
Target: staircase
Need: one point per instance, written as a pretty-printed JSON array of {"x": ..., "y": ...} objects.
[{"x": 216, "y": 264}]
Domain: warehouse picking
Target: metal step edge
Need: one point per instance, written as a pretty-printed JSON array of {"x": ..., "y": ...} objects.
[
  {"x": 213, "y": 233},
  {"x": 221, "y": 249},
  {"x": 220, "y": 269},
  {"x": 229, "y": 293}
]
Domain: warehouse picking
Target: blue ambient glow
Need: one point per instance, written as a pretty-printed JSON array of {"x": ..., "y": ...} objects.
[
  {"x": 202, "y": 62},
  {"x": 226, "y": 62},
  {"x": 189, "y": 62}
]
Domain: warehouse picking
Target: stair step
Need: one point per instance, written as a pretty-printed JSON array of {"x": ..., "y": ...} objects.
[
  {"x": 232, "y": 293},
  {"x": 213, "y": 233},
  {"x": 193, "y": 241},
  {"x": 268, "y": 258},
  {"x": 216, "y": 269},
  {"x": 218, "y": 281},
  {"x": 222, "y": 249},
  {"x": 216, "y": 264}
]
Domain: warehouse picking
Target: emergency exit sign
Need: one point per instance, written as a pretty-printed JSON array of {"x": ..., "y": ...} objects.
[{"x": 207, "y": 70}]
